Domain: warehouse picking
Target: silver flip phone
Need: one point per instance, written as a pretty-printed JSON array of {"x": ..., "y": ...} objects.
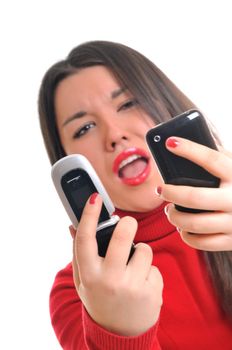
[{"x": 75, "y": 180}]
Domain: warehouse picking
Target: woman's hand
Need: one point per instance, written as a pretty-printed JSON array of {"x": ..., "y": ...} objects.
[
  {"x": 210, "y": 231},
  {"x": 124, "y": 298}
]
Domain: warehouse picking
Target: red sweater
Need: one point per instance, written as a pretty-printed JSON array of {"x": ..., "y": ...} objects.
[{"x": 190, "y": 319}]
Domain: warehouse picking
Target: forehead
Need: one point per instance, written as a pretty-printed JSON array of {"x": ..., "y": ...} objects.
[
  {"x": 97, "y": 78},
  {"x": 84, "y": 89}
]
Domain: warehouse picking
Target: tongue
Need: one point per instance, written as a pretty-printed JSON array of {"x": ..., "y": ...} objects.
[{"x": 133, "y": 169}]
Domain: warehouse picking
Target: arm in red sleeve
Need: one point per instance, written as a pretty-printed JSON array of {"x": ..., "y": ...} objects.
[{"x": 76, "y": 330}]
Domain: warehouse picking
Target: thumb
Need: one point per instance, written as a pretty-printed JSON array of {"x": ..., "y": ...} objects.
[{"x": 76, "y": 278}]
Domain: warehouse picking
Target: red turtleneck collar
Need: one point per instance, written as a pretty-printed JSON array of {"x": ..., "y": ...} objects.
[{"x": 152, "y": 225}]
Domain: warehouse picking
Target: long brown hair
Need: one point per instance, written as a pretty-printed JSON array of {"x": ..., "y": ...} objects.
[{"x": 156, "y": 94}]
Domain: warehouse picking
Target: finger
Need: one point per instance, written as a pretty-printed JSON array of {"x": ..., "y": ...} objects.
[
  {"x": 120, "y": 244},
  {"x": 198, "y": 197},
  {"x": 210, "y": 242},
  {"x": 215, "y": 162},
  {"x": 76, "y": 277},
  {"x": 155, "y": 279},
  {"x": 225, "y": 151},
  {"x": 140, "y": 263},
  {"x": 202, "y": 223},
  {"x": 85, "y": 244}
]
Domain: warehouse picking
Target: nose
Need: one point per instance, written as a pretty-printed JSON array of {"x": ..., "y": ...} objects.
[{"x": 114, "y": 136}]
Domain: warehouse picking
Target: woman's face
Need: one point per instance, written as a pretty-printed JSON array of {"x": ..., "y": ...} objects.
[{"x": 100, "y": 119}]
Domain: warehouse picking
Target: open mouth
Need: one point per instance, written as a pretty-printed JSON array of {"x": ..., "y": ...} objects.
[{"x": 132, "y": 166}]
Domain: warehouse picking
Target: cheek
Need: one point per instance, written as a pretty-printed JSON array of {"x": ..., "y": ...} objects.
[
  {"x": 87, "y": 148},
  {"x": 65, "y": 141},
  {"x": 149, "y": 122},
  {"x": 69, "y": 149},
  {"x": 144, "y": 123}
]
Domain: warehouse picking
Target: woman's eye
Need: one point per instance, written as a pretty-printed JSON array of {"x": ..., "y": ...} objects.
[
  {"x": 128, "y": 104},
  {"x": 83, "y": 130}
]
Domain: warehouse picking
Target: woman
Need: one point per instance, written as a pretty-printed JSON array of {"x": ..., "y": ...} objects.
[{"x": 100, "y": 102}]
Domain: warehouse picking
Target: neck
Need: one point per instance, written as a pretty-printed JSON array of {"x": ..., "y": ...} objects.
[{"x": 152, "y": 225}]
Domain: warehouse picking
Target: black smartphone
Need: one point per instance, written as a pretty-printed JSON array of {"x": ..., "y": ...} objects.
[
  {"x": 177, "y": 170},
  {"x": 75, "y": 180}
]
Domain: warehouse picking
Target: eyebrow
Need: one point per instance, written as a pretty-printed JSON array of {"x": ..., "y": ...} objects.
[
  {"x": 81, "y": 114},
  {"x": 73, "y": 117},
  {"x": 118, "y": 92}
]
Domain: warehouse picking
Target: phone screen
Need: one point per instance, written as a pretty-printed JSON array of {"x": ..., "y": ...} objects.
[{"x": 78, "y": 187}]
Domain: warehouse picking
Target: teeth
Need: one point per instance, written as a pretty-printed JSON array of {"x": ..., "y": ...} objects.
[{"x": 129, "y": 160}]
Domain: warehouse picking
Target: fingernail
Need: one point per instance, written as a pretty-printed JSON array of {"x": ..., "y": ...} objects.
[
  {"x": 172, "y": 142},
  {"x": 93, "y": 197},
  {"x": 178, "y": 229},
  {"x": 158, "y": 190},
  {"x": 72, "y": 231},
  {"x": 166, "y": 210}
]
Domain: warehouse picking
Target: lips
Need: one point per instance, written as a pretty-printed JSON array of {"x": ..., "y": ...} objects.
[{"x": 132, "y": 166}]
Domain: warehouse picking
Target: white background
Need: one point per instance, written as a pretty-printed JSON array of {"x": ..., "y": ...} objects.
[{"x": 189, "y": 40}]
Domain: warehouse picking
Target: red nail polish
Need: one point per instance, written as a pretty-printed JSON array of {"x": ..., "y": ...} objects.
[
  {"x": 93, "y": 197},
  {"x": 172, "y": 142},
  {"x": 158, "y": 190},
  {"x": 72, "y": 231}
]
